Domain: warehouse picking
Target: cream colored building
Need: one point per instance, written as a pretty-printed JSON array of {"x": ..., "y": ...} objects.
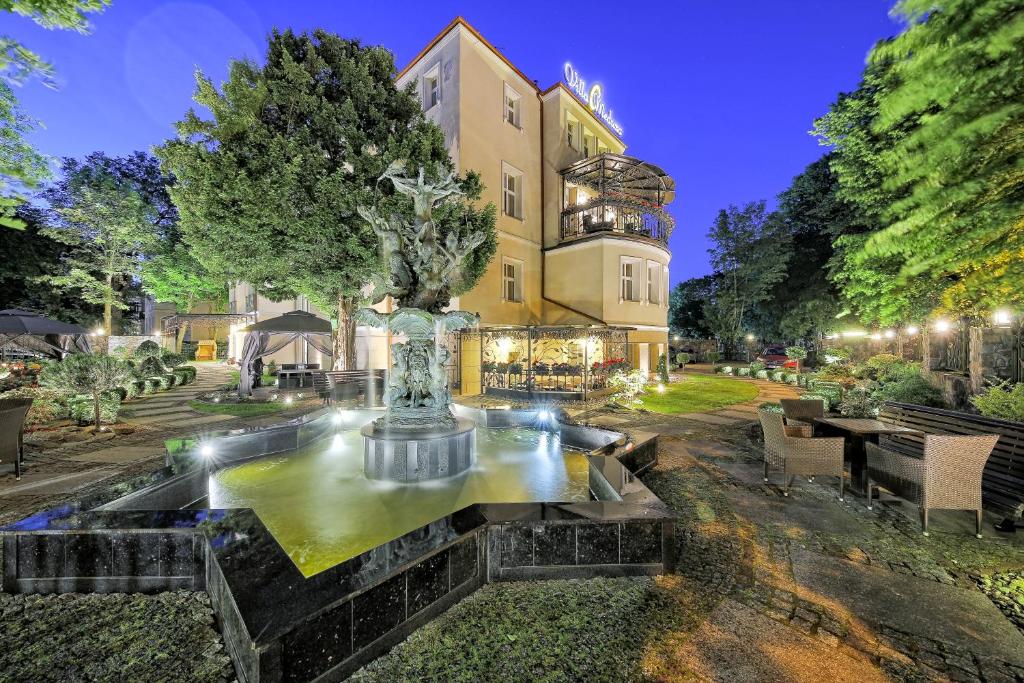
[{"x": 581, "y": 272}]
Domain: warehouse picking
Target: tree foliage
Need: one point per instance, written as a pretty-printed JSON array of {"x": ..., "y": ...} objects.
[
  {"x": 109, "y": 229},
  {"x": 268, "y": 187},
  {"x": 85, "y": 373},
  {"x": 749, "y": 256},
  {"x": 686, "y": 307},
  {"x": 22, "y": 169},
  {"x": 928, "y": 148}
]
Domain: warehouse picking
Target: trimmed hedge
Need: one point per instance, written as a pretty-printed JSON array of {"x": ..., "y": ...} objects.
[{"x": 152, "y": 385}]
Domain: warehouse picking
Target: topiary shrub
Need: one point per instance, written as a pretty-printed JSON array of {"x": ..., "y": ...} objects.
[
  {"x": 120, "y": 392},
  {"x": 776, "y": 376},
  {"x": 152, "y": 385},
  {"x": 1004, "y": 401},
  {"x": 743, "y": 372},
  {"x": 713, "y": 356},
  {"x": 189, "y": 370},
  {"x": 757, "y": 366},
  {"x": 682, "y": 359},
  {"x": 663, "y": 368},
  {"x": 762, "y": 374},
  {"x": 166, "y": 381},
  {"x": 725, "y": 369},
  {"x": 797, "y": 353},
  {"x": 629, "y": 387},
  {"x": 131, "y": 389},
  {"x": 181, "y": 377},
  {"x": 81, "y": 409},
  {"x": 770, "y": 407},
  {"x": 914, "y": 389},
  {"x": 147, "y": 349},
  {"x": 172, "y": 359}
]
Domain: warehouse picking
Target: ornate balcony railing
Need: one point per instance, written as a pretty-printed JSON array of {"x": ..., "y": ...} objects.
[{"x": 611, "y": 216}]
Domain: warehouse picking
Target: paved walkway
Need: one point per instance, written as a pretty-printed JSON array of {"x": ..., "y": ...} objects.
[{"x": 56, "y": 474}]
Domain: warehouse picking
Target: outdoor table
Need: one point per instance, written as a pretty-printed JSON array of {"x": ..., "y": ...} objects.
[{"x": 859, "y": 431}]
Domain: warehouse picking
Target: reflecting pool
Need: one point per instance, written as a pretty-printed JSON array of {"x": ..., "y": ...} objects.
[{"x": 322, "y": 510}]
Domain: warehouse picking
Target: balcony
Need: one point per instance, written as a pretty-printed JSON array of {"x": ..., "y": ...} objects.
[{"x": 616, "y": 194}]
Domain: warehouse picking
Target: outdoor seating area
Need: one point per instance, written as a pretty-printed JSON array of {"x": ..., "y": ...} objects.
[{"x": 942, "y": 469}]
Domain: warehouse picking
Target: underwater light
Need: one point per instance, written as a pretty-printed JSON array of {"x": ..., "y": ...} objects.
[
  {"x": 544, "y": 415},
  {"x": 206, "y": 451},
  {"x": 336, "y": 418}
]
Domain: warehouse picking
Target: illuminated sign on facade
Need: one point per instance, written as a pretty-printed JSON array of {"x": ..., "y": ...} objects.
[{"x": 593, "y": 96}]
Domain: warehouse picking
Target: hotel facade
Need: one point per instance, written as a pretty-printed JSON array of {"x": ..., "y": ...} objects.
[{"x": 580, "y": 278}]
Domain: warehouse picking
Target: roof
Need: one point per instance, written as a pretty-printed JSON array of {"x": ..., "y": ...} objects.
[
  {"x": 294, "y": 321},
  {"x": 618, "y": 173},
  {"x": 460, "y": 21}
]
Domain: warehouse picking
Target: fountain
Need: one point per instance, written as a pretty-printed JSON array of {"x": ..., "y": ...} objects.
[{"x": 418, "y": 438}]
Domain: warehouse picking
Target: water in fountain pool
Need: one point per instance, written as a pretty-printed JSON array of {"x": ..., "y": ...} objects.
[{"x": 322, "y": 509}]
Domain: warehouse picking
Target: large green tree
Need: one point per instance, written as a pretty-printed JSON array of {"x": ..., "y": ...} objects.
[
  {"x": 959, "y": 65},
  {"x": 109, "y": 229},
  {"x": 22, "y": 168},
  {"x": 28, "y": 257},
  {"x": 268, "y": 187},
  {"x": 686, "y": 316},
  {"x": 871, "y": 284},
  {"x": 749, "y": 255}
]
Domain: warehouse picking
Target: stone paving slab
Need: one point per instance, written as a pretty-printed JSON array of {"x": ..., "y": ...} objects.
[
  {"x": 169, "y": 417},
  {"x": 710, "y": 418},
  {"x": 197, "y": 419},
  {"x": 44, "y": 484},
  {"x": 953, "y": 615},
  {"x": 739, "y": 645},
  {"x": 119, "y": 454}
]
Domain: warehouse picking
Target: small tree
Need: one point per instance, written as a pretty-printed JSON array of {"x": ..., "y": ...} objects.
[
  {"x": 83, "y": 373},
  {"x": 798, "y": 353},
  {"x": 682, "y": 359},
  {"x": 663, "y": 369}
]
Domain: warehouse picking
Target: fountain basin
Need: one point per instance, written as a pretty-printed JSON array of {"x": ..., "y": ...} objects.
[{"x": 406, "y": 455}]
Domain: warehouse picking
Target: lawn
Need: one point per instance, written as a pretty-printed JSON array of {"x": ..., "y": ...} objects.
[
  {"x": 238, "y": 409},
  {"x": 698, "y": 393}
]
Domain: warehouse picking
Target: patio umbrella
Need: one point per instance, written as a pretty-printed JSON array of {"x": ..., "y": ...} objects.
[{"x": 38, "y": 333}]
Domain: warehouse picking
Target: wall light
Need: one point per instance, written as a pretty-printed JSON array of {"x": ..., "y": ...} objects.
[
  {"x": 750, "y": 337},
  {"x": 942, "y": 325},
  {"x": 854, "y": 333},
  {"x": 912, "y": 330},
  {"x": 1002, "y": 317},
  {"x": 889, "y": 334},
  {"x": 876, "y": 336}
]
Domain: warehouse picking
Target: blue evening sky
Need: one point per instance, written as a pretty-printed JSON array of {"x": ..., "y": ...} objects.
[{"x": 720, "y": 94}]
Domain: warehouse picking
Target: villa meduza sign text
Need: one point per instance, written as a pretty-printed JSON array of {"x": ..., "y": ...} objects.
[{"x": 593, "y": 96}]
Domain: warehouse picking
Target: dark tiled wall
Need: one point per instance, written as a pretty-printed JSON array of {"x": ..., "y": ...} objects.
[
  {"x": 351, "y": 633},
  {"x": 103, "y": 561},
  {"x": 577, "y": 549}
]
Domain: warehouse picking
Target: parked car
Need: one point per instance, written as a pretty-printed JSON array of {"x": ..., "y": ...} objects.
[{"x": 775, "y": 357}]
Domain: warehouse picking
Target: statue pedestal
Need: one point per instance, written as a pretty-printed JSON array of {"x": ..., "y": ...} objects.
[{"x": 411, "y": 455}]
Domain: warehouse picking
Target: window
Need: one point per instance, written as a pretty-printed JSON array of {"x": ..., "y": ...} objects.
[
  {"x": 512, "y": 191},
  {"x": 572, "y": 132},
  {"x": 653, "y": 282},
  {"x": 250, "y": 302},
  {"x": 511, "y": 106},
  {"x": 512, "y": 280},
  {"x": 629, "y": 269},
  {"x": 431, "y": 88},
  {"x": 589, "y": 144}
]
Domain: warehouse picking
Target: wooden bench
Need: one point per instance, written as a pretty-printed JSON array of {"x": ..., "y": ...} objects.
[
  {"x": 337, "y": 385},
  {"x": 1002, "y": 483}
]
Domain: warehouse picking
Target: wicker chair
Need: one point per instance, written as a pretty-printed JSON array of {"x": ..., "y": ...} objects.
[
  {"x": 948, "y": 477},
  {"x": 12, "y": 426},
  {"x": 800, "y": 412},
  {"x": 790, "y": 449}
]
